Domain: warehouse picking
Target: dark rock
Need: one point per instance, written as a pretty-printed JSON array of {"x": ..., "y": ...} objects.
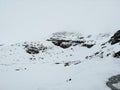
[
  {"x": 113, "y": 80},
  {"x": 81, "y": 37},
  {"x": 57, "y": 63},
  {"x": 103, "y": 44},
  {"x": 78, "y": 42},
  {"x": 62, "y": 39},
  {"x": 17, "y": 69},
  {"x": 57, "y": 43},
  {"x": 61, "y": 43},
  {"x": 99, "y": 54},
  {"x": 32, "y": 50},
  {"x": 103, "y": 47},
  {"x": 69, "y": 80},
  {"x": 88, "y": 45},
  {"x": 71, "y": 63},
  {"x": 108, "y": 54},
  {"x": 115, "y": 38},
  {"x": 86, "y": 57},
  {"x": 65, "y": 45},
  {"x": 66, "y": 64},
  {"x": 117, "y": 54},
  {"x": 89, "y": 36},
  {"x": 32, "y": 58}
]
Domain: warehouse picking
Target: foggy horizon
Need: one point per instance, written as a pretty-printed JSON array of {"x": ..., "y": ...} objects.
[{"x": 22, "y": 20}]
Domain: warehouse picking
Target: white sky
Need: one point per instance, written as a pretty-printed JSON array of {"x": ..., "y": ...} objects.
[{"x": 22, "y": 20}]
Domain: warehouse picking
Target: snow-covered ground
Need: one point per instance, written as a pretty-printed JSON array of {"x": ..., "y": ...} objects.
[{"x": 56, "y": 68}]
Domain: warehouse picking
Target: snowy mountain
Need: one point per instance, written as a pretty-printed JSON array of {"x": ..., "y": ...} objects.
[{"x": 65, "y": 61}]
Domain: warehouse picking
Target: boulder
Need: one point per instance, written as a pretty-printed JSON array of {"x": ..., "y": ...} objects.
[
  {"x": 113, "y": 80},
  {"x": 115, "y": 38},
  {"x": 117, "y": 54}
]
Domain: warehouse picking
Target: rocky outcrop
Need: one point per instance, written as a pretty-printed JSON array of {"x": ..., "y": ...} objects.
[
  {"x": 117, "y": 54},
  {"x": 33, "y": 48},
  {"x": 113, "y": 80},
  {"x": 65, "y": 40},
  {"x": 62, "y": 43},
  {"x": 88, "y": 45},
  {"x": 115, "y": 38}
]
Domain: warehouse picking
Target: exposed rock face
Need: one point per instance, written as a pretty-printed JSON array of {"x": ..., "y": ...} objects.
[
  {"x": 115, "y": 38},
  {"x": 62, "y": 50},
  {"x": 107, "y": 50},
  {"x": 88, "y": 45},
  {"x": 65, "y": 40},
  {"x": 33, "y": 48},
  {"x": 117, "y": 54},
  {"x": 62, "y": 43},
  {"x": 65, "y": 44},
  {"x": 57, "y": 43},
  {"x": 113, "y": 80}
]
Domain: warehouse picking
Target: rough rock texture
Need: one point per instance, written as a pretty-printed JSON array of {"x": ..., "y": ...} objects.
[
  {"x": 88, "y": 45},
  {"x": 62, "y": 43},
  {"x": 113, "y": 80},
  {"x": 65, "y": 44},
  {"x": 65, "y": 40},
  {"x": 117, "y": 54},
  {"x": 66, "y": 49},
  {"x": 115, "y": 38},
  {"x": 33, "y": 48}
]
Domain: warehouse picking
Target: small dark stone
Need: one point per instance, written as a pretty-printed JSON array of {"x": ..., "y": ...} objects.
[
  {"x": 86, "y": 57},
  {"x": 57, "y": 63},
  {"x": 103, "y": 47},
  {"x": 17, "y": 69},
  {"x": 96, "y": 53},
  {"x": 66, "y": 64},
  {"x": 108, "y": 54},
  {"x": 103, "y": 44},
  {"x": 70, "y": 79}
]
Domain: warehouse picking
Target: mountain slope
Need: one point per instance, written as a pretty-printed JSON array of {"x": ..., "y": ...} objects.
[{"x": 65, "y": 61}]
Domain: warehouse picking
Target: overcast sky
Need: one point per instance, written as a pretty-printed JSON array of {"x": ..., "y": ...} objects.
[{"x": 22, "y": 20}]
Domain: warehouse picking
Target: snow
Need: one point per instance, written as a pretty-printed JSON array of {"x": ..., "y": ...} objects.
[
  {"x": 18, "y": 72},
  {"x": 89, "y": 75},
  {"x": 55, "y": 68},
  {"x": 117, "y": 85}
]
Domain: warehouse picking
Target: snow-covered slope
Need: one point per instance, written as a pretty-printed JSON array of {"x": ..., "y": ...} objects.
[{"x": 65, "y": 61}]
